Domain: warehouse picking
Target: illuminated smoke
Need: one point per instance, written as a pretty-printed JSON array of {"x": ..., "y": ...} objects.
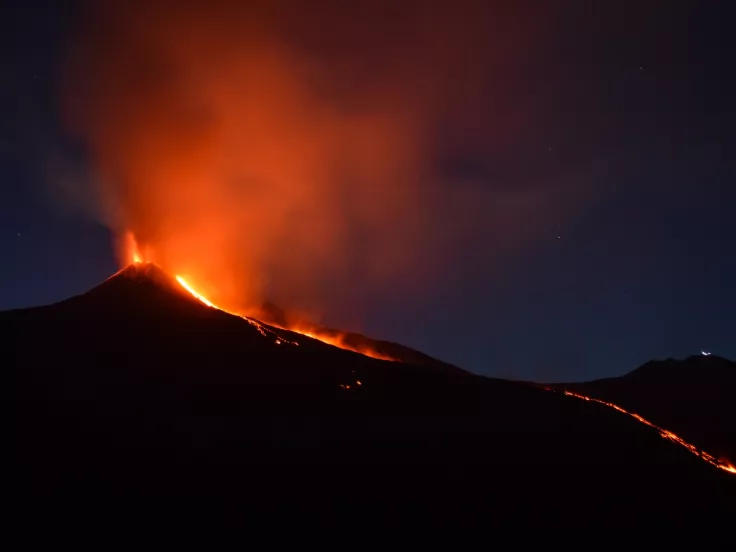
[{"x": 291, "y": 151}]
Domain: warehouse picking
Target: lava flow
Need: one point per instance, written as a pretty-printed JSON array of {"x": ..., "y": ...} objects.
[
  {"x": 664, "y": 433},
  {"x": 265, "y": 331},
  {"x": 132, "y": 255},
  {"x": 336, "y": 342},
  {"x": 190, "y": 289}
]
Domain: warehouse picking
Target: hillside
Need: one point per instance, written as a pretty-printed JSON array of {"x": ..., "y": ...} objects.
[{"x": 136, "y": 393}]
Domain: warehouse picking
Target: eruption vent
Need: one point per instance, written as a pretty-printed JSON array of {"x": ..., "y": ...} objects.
[{"x": 131, "y": 249}]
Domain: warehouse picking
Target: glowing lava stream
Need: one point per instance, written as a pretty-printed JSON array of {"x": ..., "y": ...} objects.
[
  {"x": 134, "y": 255},
  {"x": 264, "y": 331},
  {"x": 189, "y": 288},
  {"x": 664, "y": 433},
  {"x": 334, "y": 342}
]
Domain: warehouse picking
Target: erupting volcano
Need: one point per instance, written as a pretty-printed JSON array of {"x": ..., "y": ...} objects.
[
  {"x": 285, "y": 335},
  {"x": 147, "y": 378},
  {"x": 402, "y": 354},
  {"x": 276, "y": 318},
  {"x": 288, "y": 185},
  {"x": 138, "y": 265}
]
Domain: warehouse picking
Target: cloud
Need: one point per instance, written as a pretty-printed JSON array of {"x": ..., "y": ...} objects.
[{"x": 305, "y": 153}]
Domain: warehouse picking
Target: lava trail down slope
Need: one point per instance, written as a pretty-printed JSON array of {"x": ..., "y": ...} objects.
[
  {"x": 693, "y": 398},
  {"x": 137, "y": 396}
]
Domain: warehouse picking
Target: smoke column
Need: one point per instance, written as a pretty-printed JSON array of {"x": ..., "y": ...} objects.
[{"x": 296, "y": 151}]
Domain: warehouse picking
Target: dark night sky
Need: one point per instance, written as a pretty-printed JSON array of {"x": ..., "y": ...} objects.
[{"x": 635, "y": 101}]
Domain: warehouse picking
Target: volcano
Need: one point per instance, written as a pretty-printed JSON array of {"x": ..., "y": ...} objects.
[{"x": 138, "y": 396}]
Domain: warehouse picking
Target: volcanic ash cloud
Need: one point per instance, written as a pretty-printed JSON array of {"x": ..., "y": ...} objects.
[{"x": 292, "y": 151}]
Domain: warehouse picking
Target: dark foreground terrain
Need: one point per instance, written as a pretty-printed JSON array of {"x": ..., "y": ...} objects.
[{"x": 137, "y": 398}]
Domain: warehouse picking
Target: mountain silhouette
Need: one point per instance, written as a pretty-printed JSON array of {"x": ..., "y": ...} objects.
[
  {"x": 137, "y": 397},
  {"x": 693, "y": 397}
]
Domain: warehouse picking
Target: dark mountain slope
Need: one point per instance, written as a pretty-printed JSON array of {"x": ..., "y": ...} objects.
[
  {"x": 692, "y": 397},
  {"x": 272, "y": 314},
  {"x": 137, "y": 397}
]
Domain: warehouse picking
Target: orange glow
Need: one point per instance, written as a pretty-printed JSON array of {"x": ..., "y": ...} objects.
[
  {"x": 308, "y": 331},
  {"x": 337, "y": 341},
  {"x": 265, "y": 331},
  {"x": 279, "y": 339},
  {"x": 269, "y": 332},
  {"x": 664, "y": 433},
  {"x": 284, "y": 156},
  {"x": 262, "y": 329},
  {"x": 132, "y": 253},
  {"x": 191, "y": 290}
]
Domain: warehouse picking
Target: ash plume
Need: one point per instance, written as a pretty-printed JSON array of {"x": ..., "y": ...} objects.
[{"x": 297, "y": 151}]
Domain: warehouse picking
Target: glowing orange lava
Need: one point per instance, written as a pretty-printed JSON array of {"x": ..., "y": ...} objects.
[
  {"x": 664, "y": 433},
  {"x": 133, "y": 254},
  {"x": 336, "y": 341},
  {"x": 191, "y": 290}
]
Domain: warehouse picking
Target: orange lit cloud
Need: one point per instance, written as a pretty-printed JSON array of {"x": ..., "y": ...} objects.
[{"x": 289, "y": 151}]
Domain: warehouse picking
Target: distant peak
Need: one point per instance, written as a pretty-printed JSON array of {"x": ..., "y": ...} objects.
[{"x": 685, "y": 366}]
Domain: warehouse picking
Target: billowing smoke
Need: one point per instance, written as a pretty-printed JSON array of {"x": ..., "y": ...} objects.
[{"x": 298, "y": 152}]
